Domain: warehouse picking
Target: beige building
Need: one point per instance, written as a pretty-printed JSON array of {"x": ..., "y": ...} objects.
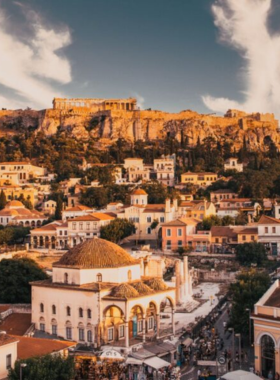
[
  {"x": 95, "y": 105},
  {"x": 15, "y": 213},
  {"x": 136, "y": 170},
  {"x": 199, "y": 179},
  {"x": 196, "y": 209},
  {"x": 21, "y": 172},
  {"x": 233, "y": 164},
  {"x": 98, "y": 295},
  {"x": 164, "y": 169},
  {"x": 266, "y": 319},
  {"x": 8, "y": 353},
  {"x": 14, "y": 192}
]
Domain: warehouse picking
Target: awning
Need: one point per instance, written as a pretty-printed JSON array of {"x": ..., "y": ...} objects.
[
  {"x": 156, "y": 363},
  {"x": 133, "y": 361},
  {"x": 187, "y": 342}
]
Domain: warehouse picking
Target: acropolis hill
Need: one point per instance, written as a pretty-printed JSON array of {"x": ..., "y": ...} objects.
[{"x": 110, "y": 119}]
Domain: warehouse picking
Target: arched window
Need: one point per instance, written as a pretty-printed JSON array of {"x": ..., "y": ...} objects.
[
  {"x": 267, "y": 355},
  {"x": 129, "y": 275},
  {"x": 53, "y": 309},
  {"x": 41, "y": 307},
  {"x": 89, "y": 336},
  {"x": 88, "y": 313},
  {"x": 99, "y": 277},
  {"x": 54, "y": 327},
  {"x": 65, "y": 278},
  {"x": 81, "y": 313},
  {"x": 68, "y": 311}
]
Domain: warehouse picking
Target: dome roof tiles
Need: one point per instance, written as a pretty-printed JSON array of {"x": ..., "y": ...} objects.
[
  {"x": 96, "y": 253},
  {"x": 139, "y": 192}
]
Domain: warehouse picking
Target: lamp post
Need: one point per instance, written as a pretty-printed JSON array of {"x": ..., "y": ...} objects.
[
  {"x": 22, "y": 365},
  {"x": 250, "y": 333},
  {"x": 233, "y": 346},
  {"x": 239, "y": 337}
]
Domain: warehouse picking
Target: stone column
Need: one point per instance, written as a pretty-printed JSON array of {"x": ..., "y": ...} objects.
[
  {"x": 177, "y": 276},
  {"x": 44, "y": 241},
  {"x": 258, "y": 358},
  {"x": 186, "y": 276},
  {"x": 144, "y": 328},
  {"x": 158, "y": 326},
  {"x": 182, "y": 287},
  {"x": 32, "y": 242},
  {"x": 126, "y": 328},
  {"x": 173, "y": 322}
]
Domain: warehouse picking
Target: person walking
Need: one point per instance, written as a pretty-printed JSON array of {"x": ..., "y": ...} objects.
[{"x": 198, "y": 374}]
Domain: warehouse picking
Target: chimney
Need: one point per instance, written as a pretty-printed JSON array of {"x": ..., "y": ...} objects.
[
  {"x": 175, "y": 204},
  {"x": 167, "y": 205}
]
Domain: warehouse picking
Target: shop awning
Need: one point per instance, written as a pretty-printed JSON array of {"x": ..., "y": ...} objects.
[
  {"x": 133, "y": 361},
  {"x": 156, "y": 363},
  {"x": 188, "y": 342}
]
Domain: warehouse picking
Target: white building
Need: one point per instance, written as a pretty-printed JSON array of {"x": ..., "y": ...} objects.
[
  {"x": 269, "y": 234},
  {"x": 98, "y": 295},
  {"x": 164, "y": 168},
  {"x": 8, "y": 353},
  {"x": 232, "y": 164},
  {"x": 136, "y": 170},
  {"x": 20, "y": 172},
  {"x": 15, "y": 213}
]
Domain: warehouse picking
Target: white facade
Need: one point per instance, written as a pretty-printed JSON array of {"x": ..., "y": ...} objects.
[
  {"x": 24, "y": 171},
  {"x": 232, "y": 164},
  {"x": 164, "y": 168},
  {"x": 269, "y": 234},
  {"x": 8, "y": 355}
]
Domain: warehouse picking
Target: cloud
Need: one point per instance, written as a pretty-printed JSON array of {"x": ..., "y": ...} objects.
[
  {"x": 243, "y": 25},
  {"x": 140, "y": 100},
  {"x": 29, "y": 67}
]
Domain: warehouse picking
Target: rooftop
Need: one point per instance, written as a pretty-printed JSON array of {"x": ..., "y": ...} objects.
[{"x": 16, "y": 323}]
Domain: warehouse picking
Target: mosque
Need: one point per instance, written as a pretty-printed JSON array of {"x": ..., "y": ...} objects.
[{"x": 99, "y": 294}]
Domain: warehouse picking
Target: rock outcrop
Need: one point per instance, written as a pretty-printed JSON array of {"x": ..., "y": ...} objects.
[{"x": 109, "y": 125}]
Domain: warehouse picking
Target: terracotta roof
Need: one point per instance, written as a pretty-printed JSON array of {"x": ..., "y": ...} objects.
[
  {"x": 6, "y": 339},
  {"x": 103, "y": 216},
  {"x": 236, "y": 200},
  {"x": 48, "y": 227},
  {"x": 174, "y": 223},
  {"x": 14, "y": 204},
  {"x": 156, "y": 284},
  {"x": 16, "y": 323},
  {"x": 264, "y": 219},
  {"x": 15, "y": 163},
  {"x": 4, "y": 308},
  {"x": 222, "y": 231},
  {"x": 96, "y": 253},
  {"x": 203, "y": 173},
  {"x": 32, "y": 347},
  {"x": 142, "y": 288},
  {"x": 87, "y": 217},
  {"x": 274, "y": 299},
  {"x": 78, "y": 208},
  {"x": 139, "y": 192},
  {"x": 248, "y": 231},
  {"x": 90, "y": 287},
  {"x": 223, "y": 191},
  {"x": 124, "y": 291},
  {"x": 182, "y": 222}
]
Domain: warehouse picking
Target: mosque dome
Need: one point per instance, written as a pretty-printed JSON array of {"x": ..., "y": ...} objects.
[
  {"x": 139, "y": 192},
  {"x": 156, "y": 284},
  {"x": 124, "y": 291},
  {"x": 142, "y": 288},
  {"x": 96, "y": 253},
  {"x": 16, "y": 204}
]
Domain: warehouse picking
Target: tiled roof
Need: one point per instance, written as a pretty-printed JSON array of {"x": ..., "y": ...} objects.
[
  {"x": 236, "y": 200},
  {"x": 6, "y": 339},
  {"x": 139, "y": 192},
  {"x": 223, "y": 191},
  {"x": 248, "y": 231},
  {"x": 16, "y": 323},
  {"x": 222, "y": 231},
  {"x": 32, "y": 347},
  {"x": 90, "y": 287},
  {"x": 78, "y": 208},
  {"x": 274, "y": 299},
  {"x": 264, "y": 219}
]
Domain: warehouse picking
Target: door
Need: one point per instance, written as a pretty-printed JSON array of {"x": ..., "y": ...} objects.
[
  {"x": 134, "y": 321},
  {"x": 274, "y": 249}
]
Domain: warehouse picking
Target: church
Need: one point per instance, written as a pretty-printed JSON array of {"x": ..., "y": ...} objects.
[{"x": 99, "y": 294}]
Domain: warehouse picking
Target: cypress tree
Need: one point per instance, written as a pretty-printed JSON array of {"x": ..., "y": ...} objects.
[
  {"x": 58, "y": 209},
  {"x": 3, "y": 200}
]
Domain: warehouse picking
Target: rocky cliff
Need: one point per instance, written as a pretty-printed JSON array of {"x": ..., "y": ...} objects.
[{"x": 108, "y": 126}]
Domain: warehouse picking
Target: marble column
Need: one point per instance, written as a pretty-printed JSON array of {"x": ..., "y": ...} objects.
[
  {"x": 144, "y": 328},
  {"x": 158, "y": 326},
  {"x": 126, "y": 327}
]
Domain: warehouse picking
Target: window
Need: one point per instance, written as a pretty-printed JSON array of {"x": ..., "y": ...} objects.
[
  {"x": 111, "y": 334},
  {"x": 74, "y": 225},
  {"x": 89, "y": 336},
  {"x": 53, "y": 309},
  {"x": 179, "y": 232},
  {"x": 140, "y": 325},
  {"x": 42, "y": 327},
  {"x": 66, "y": 278},
  {"x": 81, "y": 334},
  {"x": 68, "y": 311},
  {"x": 54, "y": 329},
  {"x": 266, "y": 230},
  {"x": 81, "y": 313},
  {"x": 8, "y": 361},
  {"x": 180, "y": 243},
  {"x": 68, "y": 333},
  {"x": 121, "y": 331},
  {"x": 129, "y": 275},
  {"x": 168, "y": 232},
  {"x": 252, "y": 238},
  {"x": 216, "y": 240},
  {"x": 149, "y": 231},
  {"x": 99, "y": 277},
  {"x": 168, "y": 244},
  {"x": 80, "y": 226},
  {"x": 151, "y": 323},
  {"x": 88, "y": 226},
  {"x": 161, "y": 219},
  {"x": 41, "y": 307},
  {"x": 89, "y": 313},
  {"x": 149, "y": 219},
  {"x": 243, "y": 237},
  {"x": 274, "y": 230}
]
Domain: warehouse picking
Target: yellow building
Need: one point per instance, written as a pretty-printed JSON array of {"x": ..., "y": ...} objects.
[
  {"x": 199, "y": 179},
  {"x": 14, "y": 192},
  {"x": 247, "y": 235},
  {"x": 197, "y": 209}
]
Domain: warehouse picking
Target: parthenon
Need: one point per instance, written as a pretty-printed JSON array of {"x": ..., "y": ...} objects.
[{"x": 129, "y": 104}]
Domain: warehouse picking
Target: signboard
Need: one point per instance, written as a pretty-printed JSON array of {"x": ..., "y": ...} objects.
[
  {"x": 222, "y": 360},
  {"x": 111, "y": 354}
]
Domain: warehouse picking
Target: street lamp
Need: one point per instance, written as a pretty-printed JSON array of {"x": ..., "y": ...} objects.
[
  {"x": 239, "y": 337},
  {"x": 233, "y": 348},
  {"x": 250, "y": 333},
  {"x": 22, "y": 365}
]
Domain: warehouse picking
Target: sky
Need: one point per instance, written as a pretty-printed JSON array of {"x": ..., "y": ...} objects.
[{"x": 173, "y": 55}]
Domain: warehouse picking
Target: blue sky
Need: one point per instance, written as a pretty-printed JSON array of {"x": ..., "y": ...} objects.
[{"x": 164, "y": 51}]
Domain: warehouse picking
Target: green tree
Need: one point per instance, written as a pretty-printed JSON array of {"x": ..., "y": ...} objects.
[
  {"x": 117, "y": 230},
  {"x": 58, "y": 209},
  {"x": 96, "y": 197},
  {"x": 157, "y": 193},
  {"x": 245, "y": 292},
  {"x": 227, "y": 220},
  {"x": 49, "y": 367},
  {"x": 209, "y": 222},
  {"x": 3, "y": 200},
  {"x": 15, "y": 277},
  {"x": 251, "y": 253}
]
